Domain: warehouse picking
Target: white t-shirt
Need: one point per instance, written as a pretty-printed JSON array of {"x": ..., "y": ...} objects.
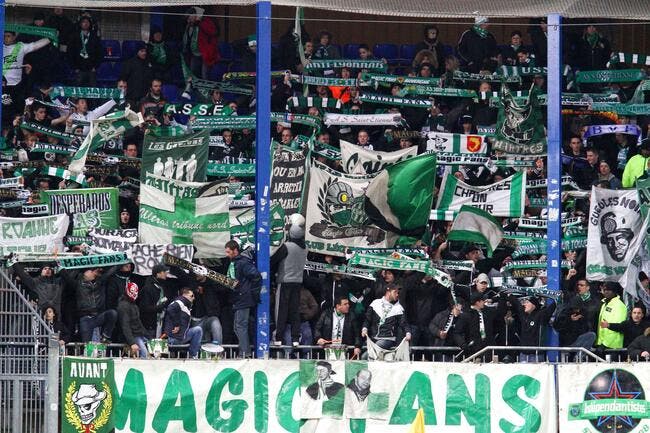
[{"x": 14, "y": 73}]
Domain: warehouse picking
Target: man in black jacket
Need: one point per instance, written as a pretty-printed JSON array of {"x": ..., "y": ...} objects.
[
  {"x": 177, "y": 323},
  {"x": 479, "y": 323},
  {"x": 338, "y": 326},
  {"x": 91, "y": 302},
  {"x": 129, "y": 318},
  {"x": 446, "y": 327},
  {"x": 386, "y": 322},
  {"x": 138, "y": 73},
  {"x": 246, "y": 293},
  {"x": 86, "y": 53},
  {"x": 640, "y": 347},
  {"x": 476, "y": 45},
  {"x": 532, "y": 318},
  {"x": 632, "y": 327},
  {"x": 155, "y": 296},
  {"x": 46, "y": 289}
]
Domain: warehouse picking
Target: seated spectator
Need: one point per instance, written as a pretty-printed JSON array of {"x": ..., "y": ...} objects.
[
  {"x": 178, "y": 323},
  {"x": 605, "y": 174},
  {"x": 324, "y": 50},
  {"x": 51, "y": 319},
  {"x": 509, "y": 53}
]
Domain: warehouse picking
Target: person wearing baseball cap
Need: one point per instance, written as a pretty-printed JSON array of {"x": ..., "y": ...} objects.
[
  {"x": 532, "y": 319},
  {"x": 479, "y": 322}
]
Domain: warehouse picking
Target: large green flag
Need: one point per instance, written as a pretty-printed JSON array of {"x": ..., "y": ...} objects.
[
  {"x": 643, "y": 187},
  {"x": 520, "y": 128},
  {"x": 399, "y": 198},
  {"x": 183, "y": 157},
  {"x": 101, "y": 130},
  {"x": 88, "y": 207},
  {"x": 88, "y": 395}
]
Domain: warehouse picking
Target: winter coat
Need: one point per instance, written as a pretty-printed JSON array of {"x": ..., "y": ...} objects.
[
  {"x": 178, "y": 315},
  {"x": 532, "y": 323},
  {"x": 138, "y": 74},
  {"x": 351, "y": 335},
  {"x": 247, "y": 292},
  {"x": 394, "y": 326},
  {"x": 471, "y": 322},
  {"x": 128, "y": 315},
  {"x": 46, "y": 291},
  {"x": 473, "y": 49},
  {"x": 148, "y": 300},
  {"x": 93, "y": 48},
  {"x": 91, "y": 295},
  {"x": 613, "y": 311}
]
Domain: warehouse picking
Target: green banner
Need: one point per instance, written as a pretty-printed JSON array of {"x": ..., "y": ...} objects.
[
  {"x": 609, "y": 407},
  {"x": 93, "y": 261},
  {"x": 183, "y": 157},
  {"x": 520, "y": 129},
  {"x": 376, "y": 65},
  {"x": 379, "y": 262},
  {"x": 87, "y": 207},
  {"x": 610, "y": 76},
  {"x": 224, "y": 122},
  {"x": 623, "y": 109},
  {"x": 43, "y": 32},
  {"x": 88, "y": 395}
]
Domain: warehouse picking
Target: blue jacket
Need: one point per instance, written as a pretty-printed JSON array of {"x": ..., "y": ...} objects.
[{"x": 247, "y": 292}]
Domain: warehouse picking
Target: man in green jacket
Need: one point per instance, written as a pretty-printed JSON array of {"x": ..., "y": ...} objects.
[
  {"x": 637, "y": 165},
  {"x": 613, "y": 310}
]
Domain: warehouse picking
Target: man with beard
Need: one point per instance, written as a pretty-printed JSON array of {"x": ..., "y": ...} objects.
[
  {"x": 386, "y": 321},
  {"x": 616, "y": 232}
]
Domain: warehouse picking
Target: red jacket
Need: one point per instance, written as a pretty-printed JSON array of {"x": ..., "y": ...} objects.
[{"x": 208, "y": 44}]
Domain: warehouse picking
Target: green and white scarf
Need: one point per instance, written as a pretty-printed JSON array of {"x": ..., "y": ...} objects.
[
  {"x": 324, "y": 81},
  {"x": 62, "y": 173},
  {"x": 326, "y": 151},
  {"x": 224, "y": 122},
  {"x": 437, "y": 91},
  {"x": 483, "y": 33},
  {"x": 610, "y": 76},
  {"x": 313, "y": 101},
  {"x": 301, "y": 119},
  {"x": 248, "y": 76},
  {"x": 50, "y": 132},
  {"x": 379, "y": 262},
  {"x": 87, "y": 92},
  {"x": 531, "y": 264},
  {"x": 11, "y": 182},
  {"x": 43, "y": 32},
  {"x": 218, "y": 169},
  {"x": 158, "y": 52},
  {"x": 194, "y": 109},
  {"x": 623, "y": 109},
  {"x": 490, "y": 78},
  {"x": 521, "y": 71},
  {"x": 376, "y": 65},
  {"x": 539, "y": 246},
  {"x": 534, "y": 291},
  {"x": 53, "y": 148},
  {"x": 629, "y": 58},
  {"x": 93, "y": 261},
  {"x": 375, "y": 98},
  {"x": 339, "y": 269},
  {"x": 383, "y": 80}
]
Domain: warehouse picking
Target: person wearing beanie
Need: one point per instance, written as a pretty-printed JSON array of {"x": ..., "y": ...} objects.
[
  {"x": 86, "y": 53},
  {"x": 613, "y": 310},
  {"x": 154, "y": 297},
  {"x": 200, "y": 43},
  {"x": 291, "y": 258},
  {"x": 46, "y": 289},
  {"x": 479, "y": 322},
  {"x": 476, "y": 45},
  {"x": 138, "y": 73},
  {"x": 128, "y": 316},
  {"x": 532, "y": 319}
]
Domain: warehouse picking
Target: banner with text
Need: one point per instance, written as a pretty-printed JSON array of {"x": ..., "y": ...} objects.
[
  {"x": 88, "y": 207},
  {"x": 33, "y": 235}
]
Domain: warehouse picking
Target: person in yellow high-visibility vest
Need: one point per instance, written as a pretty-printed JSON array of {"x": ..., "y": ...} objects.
[{"x": 613, "y": 310}]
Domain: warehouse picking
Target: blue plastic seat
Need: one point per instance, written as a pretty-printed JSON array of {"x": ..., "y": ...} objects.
[
  {"x": 107, "y": 73},
  {"x": 407, "y": 53},
  {"x": 389, "y": 52},
  {"x": 226, "y": 51},
  {"x": 170, "y": 93},
  {"x": 112, "y": 50},
  {"x": 130, "y": 48},
  {"x": 351, "y": 51}
]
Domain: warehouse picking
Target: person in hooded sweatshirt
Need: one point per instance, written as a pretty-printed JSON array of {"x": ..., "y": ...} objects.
[
  {"x": 128, "y": 315},
  {"x": 46, "y": 289},
  {"x": 292, "y": 256}
]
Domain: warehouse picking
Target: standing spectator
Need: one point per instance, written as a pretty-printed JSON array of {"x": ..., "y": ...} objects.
[
  {"x": 246, "y": 294},
  {"x": 612, "y": 311},
  {"x": 177, "y": 323},
  {"x": 155, "y": 296},
  {"x": 52, "y": 320},
  {"x": 594, "y": 50},
  {"x": 509, "y": 52},
  {"x": 532, "y": 319},
  {"x": 446, "y": 327},
  {"x": 137, "y": 72},
  {"x": 479, "y": 323},
  {"x": 589, "y": 173},
  {"x": 200, "y": 48},
  {"x": 539, "y": 37},
  {"x": 386, "y": 323},
  {"x": 86, "y": 53},
  {"x": 46, "y": 289},
  {"x": 82, "y": 113},
  {"x": 431, "y": 43},
  {"x": 154, "y": 97},
  {"x": 324, "y": 49},
  {"x": 43, "y": 58},
  {"x": 476, "y": 45},
  {"x": 161, "y": 56},
  {"x": 632, "y": 327},
  {"x": 129, "y": 318},
  {"x": 64, "y": 25},
  {"x": 91, "y": 302},
  {"x": 637, "y": 165},
  {"x": 292, "y": 256},
  {"x": 605, "y": 174},
  {"x": 308, "y": 312},
  {"x": 338, "y": 326}
]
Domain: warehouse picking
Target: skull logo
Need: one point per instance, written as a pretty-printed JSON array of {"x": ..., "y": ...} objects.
[{"x": 87, "y": 399}]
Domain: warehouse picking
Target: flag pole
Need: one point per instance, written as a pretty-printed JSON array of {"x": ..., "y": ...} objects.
[
  {"x": 554, "y": 160},
  {"x": 263, "y": 172}
]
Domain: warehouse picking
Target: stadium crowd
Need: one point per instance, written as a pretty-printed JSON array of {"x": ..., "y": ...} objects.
[{"x": 313, "y": 307}]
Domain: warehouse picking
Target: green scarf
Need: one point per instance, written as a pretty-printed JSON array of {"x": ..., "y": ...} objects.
[
  {"x": 437, "y": 91},
  {"x": 379, "y": 262},
  {"x": 44, "y": 32},
  {"x": 592, "y": 39},
  {"x": 483, "y": 33},
  {"x": 585, "y": 296},
  {"x": 490, "y": 78},
  {"x": 610, "y": 76},
  {"x": 158, "y": 52},
  {"x": 630, "y": 58},
  {"x": 534, "y": 291},
  {"x": 623, "y": 109},
  {"x": 35, "y": 127},
  {"x": 231, "y": 271},
  {"x": 313, "y": 101},
  {"x": 339, "y": 269},
  {"x": 376, "y": 80},
  {"x": 224, "y": 170},
  {"x": 93, "y": 261},
  {"x": 376, "y": 65},
  {"x": 375, "y": 98},
  {"x": 324, "y": 81},
  {"x": 83, "y": 52},
  {"x": 88, "y": 92},
  {"x": 300, "y": 119},
  {"x": 224, "y": 122},
  {"x": 194, "y": 109}
]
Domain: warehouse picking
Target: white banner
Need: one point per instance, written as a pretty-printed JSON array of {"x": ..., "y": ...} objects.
[
  {"x": 146, "y": 256},
  {"x": 106, "y": 241},
  {"x": 503, "y": 199},
  {"x": 456, "y": 143},
  {"x": 33, "y": 235},
  {"x": 357, "y": 160},
  {"x": 614, "y": 219},
  {"x": 362, "y": 119},
  {"x": 604, "y": 398},
  {"x": 336, "y": 216},
  {"x": 264, "y": 396}
]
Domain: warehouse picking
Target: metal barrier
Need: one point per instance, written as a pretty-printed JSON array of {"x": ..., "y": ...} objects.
[
  {"x": 534, "y": 353},
  {"x": 29, "y": 366}
]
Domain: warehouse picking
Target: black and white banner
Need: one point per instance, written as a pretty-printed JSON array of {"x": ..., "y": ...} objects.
[
  {"x": 287, "y": 179},
  {"x": 357, "y": 160},
  {"x": 106, "y": 241},
  {"x": 146, "y": 256}
]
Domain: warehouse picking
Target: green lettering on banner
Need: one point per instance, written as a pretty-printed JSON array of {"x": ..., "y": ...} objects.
[
  {"x": 530, "y": 414},
  {"x": 417, "y": 388},
  {"x": 477, "y": 410},
  {"x": 177, "y": 386},
  {"x": 132, "y": 403},
  {"x": 283, "y": 403},
  {"x": 237, "y": 408},
  {"x": 261, "y": 388}
]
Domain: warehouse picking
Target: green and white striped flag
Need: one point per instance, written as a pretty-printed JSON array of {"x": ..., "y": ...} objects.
[
  {"x": 103, "y": 129},
  {"x": 476, "y": 226},
  {"x": 630, "y": 58},
  {"x": 456, "y": 143},
  {"x": 503, "y": 199},
  {"x": 203, "y": 220}
]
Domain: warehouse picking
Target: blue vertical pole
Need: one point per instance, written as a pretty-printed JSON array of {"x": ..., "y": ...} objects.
[
  {"x": 2, "y": 27},
  {"x": 554, "y": 162},
  {"x": 263, "y": 172}
]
